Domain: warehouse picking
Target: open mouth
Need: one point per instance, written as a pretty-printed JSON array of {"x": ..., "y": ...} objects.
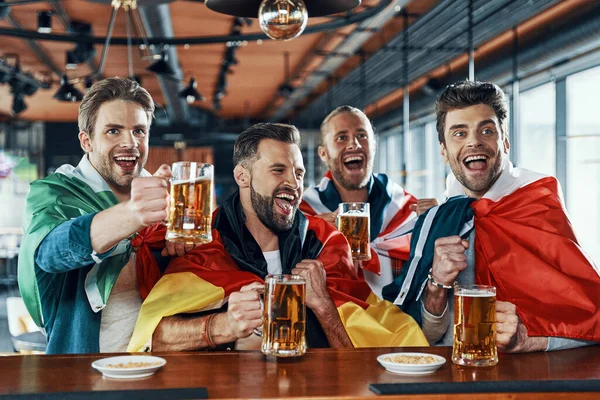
[
  {"x": 286, "y": 202},
  {"x": 476, "y": 162},
  {"x": 354, "y": 162},
  {"x": 127, "y": 163}
]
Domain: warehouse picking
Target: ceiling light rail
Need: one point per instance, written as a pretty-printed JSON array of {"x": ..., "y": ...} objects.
[{"x": 353, "y": 18}]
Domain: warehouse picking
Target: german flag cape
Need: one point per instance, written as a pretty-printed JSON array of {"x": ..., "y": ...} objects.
[
  {"x": 70, "y": 193},
  {"x": 203, "y": 279},
  {"x": 391, "y": 222},
  {"x": 525, "y": 247}
]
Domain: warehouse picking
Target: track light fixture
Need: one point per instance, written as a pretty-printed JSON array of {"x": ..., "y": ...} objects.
[
  {"x": 89, "y": 82},
  {"x": 4, "y": 11},
  {"x": 44, "y": 21},
  {"x": 161, "y": 66},
  {"x": 190, "y": 93},
  {"x": 83, "y": 52},
  {"x": 18, "y": 104},
  {"x": 67, "y": 92}
]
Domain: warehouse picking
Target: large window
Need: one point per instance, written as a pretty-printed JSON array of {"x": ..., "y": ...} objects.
[
  {"x": 436, "y": 170},
  {"x": 583, "y": 158},
  {"x": 416, "y": 172},
  {"x": 536, "y": 136}
]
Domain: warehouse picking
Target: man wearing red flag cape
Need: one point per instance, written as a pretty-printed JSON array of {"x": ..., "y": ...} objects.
[
  {"x": 501, "y": 226},
  {"x": 210, "y": 298}
]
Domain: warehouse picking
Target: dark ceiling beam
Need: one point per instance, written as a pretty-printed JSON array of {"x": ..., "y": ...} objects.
[
  {"x": 36, "y": 49},
  {"x": 65, "y": 20},
  {"x": 158, "y": 22}
]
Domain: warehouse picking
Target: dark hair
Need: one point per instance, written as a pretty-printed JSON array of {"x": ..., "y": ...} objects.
[
  {"x": 108, "y": 90},
  {"x": 470, "y": 93},
  {"x": 339, "y": 110},
  {"x": 246, "y": 146}
]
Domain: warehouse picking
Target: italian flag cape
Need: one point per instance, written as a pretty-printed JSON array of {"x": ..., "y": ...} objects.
[
  {"x": 525, "y": 247},
  {"x": 203, "y": 279},
  {"x": 391, "y": 223},
  {"x": 70, "y": 193}
]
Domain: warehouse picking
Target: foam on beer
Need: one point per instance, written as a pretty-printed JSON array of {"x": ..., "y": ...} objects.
[
  {"x": 473, "y": 293},
  {"x": 355, "y": 213},
  {"x": 182, "y": 181}
]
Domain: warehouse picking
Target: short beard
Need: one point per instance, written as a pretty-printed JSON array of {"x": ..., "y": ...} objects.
[
  {"x": 338, "y": 176},
  {"x": 263, "y": 207}
]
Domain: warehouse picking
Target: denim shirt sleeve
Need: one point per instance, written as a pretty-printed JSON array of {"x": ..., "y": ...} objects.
[{"x": 68, "y": 247}]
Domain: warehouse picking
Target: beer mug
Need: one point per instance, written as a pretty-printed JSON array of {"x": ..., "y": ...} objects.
[
  {"x": 190, "y": 210},
  {"x": 353, "y": 220},
  {"x": 475, "y": 326},
  {"x": 284, "y": 316}
]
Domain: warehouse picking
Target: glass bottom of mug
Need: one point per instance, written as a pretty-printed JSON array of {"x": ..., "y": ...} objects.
[
  {"x": 297, "y": 352},
  {"x": 188, "y": 237},
  {"x": 475, "y": 362},
  {"x": 284, "y": 353},
  {"x": 361, "y": 257}
]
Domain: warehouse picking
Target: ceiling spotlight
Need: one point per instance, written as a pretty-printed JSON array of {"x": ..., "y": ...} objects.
[
  {"x": 89, "y": 82},
  {"x": 161, "y": 66},
  {"x": 432, "y": 86},
  {"x": 67, "y": 92},
  {"x": 282, "y": 19},
  {"x": 44, "y": 21},
  {"x": 190, "y": 93},
  {"x": 70, "y": 60},
  {"x": 4, "y": 11},
  {"x": 18, "y": 104},
  {"x": 83, "y": 52}
]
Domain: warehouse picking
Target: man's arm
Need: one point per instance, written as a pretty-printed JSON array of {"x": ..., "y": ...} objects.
[
  {"x": 448, "y": 260},
  {"x": 178, "y": 333},
  {"x": 434, "y": 326},
  {"x": 319, "y": 301},
  {"x": 148, "y": 204},
  {"x": 68, "y": 247}
]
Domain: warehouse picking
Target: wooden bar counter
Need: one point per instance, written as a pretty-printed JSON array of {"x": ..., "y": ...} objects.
[{"x": 321, "y": 373}]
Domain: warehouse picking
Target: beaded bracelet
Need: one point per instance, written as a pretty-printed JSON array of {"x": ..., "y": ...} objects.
[
  {"x": 434, "y": 283},
  {"x": 206, "y": 323}
]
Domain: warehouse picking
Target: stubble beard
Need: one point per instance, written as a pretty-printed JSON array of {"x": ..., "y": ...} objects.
[
  {"x": 121, "y": 182},
  {"x": 476, "y": 186}
]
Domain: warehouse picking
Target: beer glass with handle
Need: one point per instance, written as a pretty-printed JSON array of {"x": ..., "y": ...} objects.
[
  {"x": 353, "y": 220},
  {"x": 283, "y": 333},
  {"x": 190, "y": 210},
  {"x": 474, "y": 326}
]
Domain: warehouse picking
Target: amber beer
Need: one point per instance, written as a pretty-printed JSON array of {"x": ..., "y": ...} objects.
[
  {"x": 190, "y": 210},
  {"x": 475, "y": 326},
  {"x": 284, "y": 316},
  {"x": 354, "y": 222}
]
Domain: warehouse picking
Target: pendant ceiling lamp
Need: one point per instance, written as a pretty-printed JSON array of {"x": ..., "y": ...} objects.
[
  {"x": 281, "y": 19},
  {"x": 249, "y": 8}
]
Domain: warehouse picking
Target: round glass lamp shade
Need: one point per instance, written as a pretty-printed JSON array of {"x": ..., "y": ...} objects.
[{"x": 282, "y": 19}]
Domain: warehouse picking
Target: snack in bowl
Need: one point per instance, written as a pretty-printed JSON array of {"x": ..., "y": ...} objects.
[
  {"x": 132, "y": 364},
  {"x": 411, "y": 363},
  {"x": 404, "y": 359}
]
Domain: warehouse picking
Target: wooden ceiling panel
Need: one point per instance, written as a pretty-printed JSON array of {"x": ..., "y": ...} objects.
[{"x": 251, "y": 89}]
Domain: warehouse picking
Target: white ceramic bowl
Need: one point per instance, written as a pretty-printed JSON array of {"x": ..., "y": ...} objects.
[
  {"x": 129, "y": 367},
  {"x": 411, "y": 369}
]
